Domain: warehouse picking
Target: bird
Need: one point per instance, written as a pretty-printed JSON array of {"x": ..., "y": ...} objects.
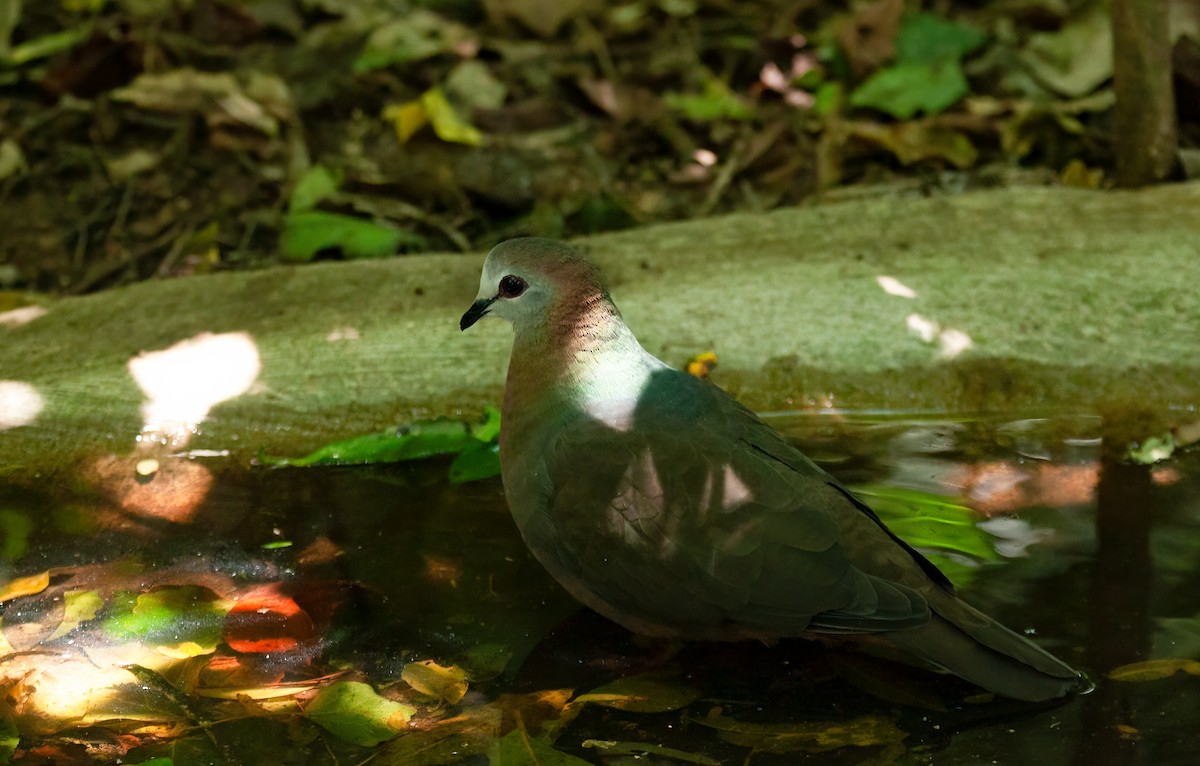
[{"x": 665, "y": 505}]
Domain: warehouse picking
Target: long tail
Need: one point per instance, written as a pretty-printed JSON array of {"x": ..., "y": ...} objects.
[{"x": 972, "y": 645}]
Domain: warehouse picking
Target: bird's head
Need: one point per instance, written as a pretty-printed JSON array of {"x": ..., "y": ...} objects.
[{"x": 530, "y": 280}]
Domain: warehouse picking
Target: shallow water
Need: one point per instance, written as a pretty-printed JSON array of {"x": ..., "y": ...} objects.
[{"x": 392, "y": 564}]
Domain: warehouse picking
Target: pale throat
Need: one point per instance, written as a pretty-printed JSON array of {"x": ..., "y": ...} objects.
[{"x": 593, "y": 364}]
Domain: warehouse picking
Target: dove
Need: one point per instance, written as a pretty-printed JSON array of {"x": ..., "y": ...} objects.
[{"x": 657, "y": 500}]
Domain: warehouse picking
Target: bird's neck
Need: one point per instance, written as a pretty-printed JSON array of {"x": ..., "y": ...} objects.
[{"x": 579, "y": 361}]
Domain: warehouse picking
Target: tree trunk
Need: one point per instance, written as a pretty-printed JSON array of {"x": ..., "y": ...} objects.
[{"x": 1146, "y": 139}]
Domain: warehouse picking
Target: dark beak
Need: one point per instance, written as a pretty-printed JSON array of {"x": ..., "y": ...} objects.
[{"x": 477, "y": 311}]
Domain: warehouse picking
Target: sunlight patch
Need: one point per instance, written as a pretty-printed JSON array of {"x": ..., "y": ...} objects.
[
  {"x": 21, "y": 316},
  {"x": 893, "y": 286},
  {"x": 952, "y": 341},
  {"x": 183, "y": 382},
  {"x": 20, "y": 404}
]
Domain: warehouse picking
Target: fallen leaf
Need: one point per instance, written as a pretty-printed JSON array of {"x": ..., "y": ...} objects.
[
  {"x": 915, "y": 141},
  {"x": 25, "y": 586},
  {"x": 434, "y": 680},
  {"x": 641, "y": 694},
  {"x": 309, "y": 232},
  {"x": 810, "y": 737},
  {"x": 1154, "y": 670},
  {"x": 446, "y": 122},
  {"x": 517, "y": 748},
  {"x": 355, "y": 712},
  {"x": 1076, "y": 59},
  {"x": 407, "y": 119}
]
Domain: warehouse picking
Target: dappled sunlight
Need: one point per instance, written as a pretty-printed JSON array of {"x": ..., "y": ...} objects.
[
  {"x": 951, "y": 341},
  {"x": 170, "y": 490},
  {"x": 23, "y": 315},
  {"x": 20, "y": 404},
  {"x": 1006, "y": 487},
  {"x": 893, "y": 286},
  {"x": 183, "y": 382}
]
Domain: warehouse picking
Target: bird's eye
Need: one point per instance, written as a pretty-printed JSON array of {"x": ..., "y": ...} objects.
[{"x": 512, "y": 286}]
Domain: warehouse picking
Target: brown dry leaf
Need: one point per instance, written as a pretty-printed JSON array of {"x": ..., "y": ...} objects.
[
  {"x": 544, "y": 712},
  {"x": 25, "y": 586},
  {"x": 869, "y": 38},
  {"x": 434, "y": 680},
  {"x": 1076, "y": 59},
  {"x": 916, "y": 140},
  {"x": 1154, "y": 670}
]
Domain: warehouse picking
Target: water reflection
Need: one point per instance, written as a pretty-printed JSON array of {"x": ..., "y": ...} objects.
[{"x": 366, "y": 570}]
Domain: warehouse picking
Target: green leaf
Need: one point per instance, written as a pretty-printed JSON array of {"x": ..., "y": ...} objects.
[
  {"x": 308, "y": 232},
  {"x": 446, "y": 122},
  {"x": 716, "y": 103},
  {"x": 161, "y": 761},
  {"x": 417, "y": 35},
  {"x": 517, "y": 748},
  {"x": 170, "y": 616},
  {"x": 1151, "y": 450},
  {"x": 10, "y": 736},
  {"x": 481, "y": 462},
  {"x": 905, "y": 89},
  {"x": 448, "y": 683},
  {"x": 420, "y": 439},
  {"x": 355, "y": 712},
  {"x": 45, "y": 46},
  {"x": 79, "y": 606},
  {"x": 15, "y": 529},
  {"x": 489, "y": 428},
  {"x": 943, "y": 530},
  {"x": 925, "y": 38},
  {"x": 319, "y": 183}
]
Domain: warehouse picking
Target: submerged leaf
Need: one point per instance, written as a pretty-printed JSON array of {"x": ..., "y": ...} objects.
[
  {"x": 25, "y": 586},
  {"x": 171, "y": 617},
  {"x": 356, "y": 713},
  {"x": 517, "y": 748},
  {"x": 434, "y": 680},
  {"x": 1154, "y": 670},
  {"x": 810, "y": 737},
  {"x": 641, "y": 694}
]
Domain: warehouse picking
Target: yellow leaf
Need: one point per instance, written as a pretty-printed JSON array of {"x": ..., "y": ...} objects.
[
  {"x": 25, "y": 586},
  {"x": 184, "y": 650},
  {"x": 1154, "y": 670},
  {"x": 434, "y": 680},
  {"x": 255, "y": 693},
  {"x": 447, "y": 124},
  {"x": 406, "y": 118}
]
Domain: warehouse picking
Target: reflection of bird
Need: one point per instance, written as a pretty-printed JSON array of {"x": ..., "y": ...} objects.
[{"x": 663, "y": 504}]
